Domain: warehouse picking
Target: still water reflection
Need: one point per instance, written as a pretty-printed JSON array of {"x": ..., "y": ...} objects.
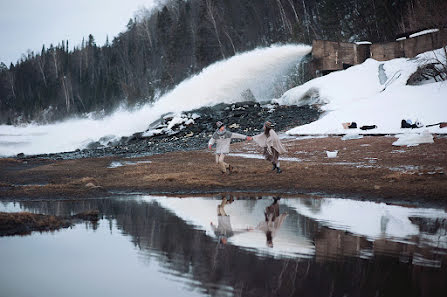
[{"x": 226, "y": 246}]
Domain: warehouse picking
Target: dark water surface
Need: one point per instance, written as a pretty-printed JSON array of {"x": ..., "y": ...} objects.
[{"x": 159, "y": 246}]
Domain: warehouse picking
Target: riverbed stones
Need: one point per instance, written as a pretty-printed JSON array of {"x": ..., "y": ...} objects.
[{"x": 193, "y": 129}]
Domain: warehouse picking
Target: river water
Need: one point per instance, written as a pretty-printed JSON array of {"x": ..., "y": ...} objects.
[{"x": 229, "y": 246}]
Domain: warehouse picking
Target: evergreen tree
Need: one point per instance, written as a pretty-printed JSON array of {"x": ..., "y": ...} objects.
[{"x": 162, "y": 47}]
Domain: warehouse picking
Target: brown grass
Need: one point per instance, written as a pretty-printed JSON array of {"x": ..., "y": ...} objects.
[
  {"x": 25, "y": 222},
  {"x": 22, "y": 223},
  {"x": 369, "y": 167}
]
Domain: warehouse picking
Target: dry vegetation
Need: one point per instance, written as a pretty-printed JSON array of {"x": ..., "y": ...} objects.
[
  {"x": 370, "y": 168},
  {"x": 25, "y": 222},
  {"x": 22, "y": 223}
]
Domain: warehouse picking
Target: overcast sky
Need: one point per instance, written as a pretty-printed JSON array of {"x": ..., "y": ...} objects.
[{"x": 28, "y": 24}]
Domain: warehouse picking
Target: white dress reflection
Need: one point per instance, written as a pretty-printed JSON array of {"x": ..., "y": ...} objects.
[
  {"x": 272, "y": 221},
  {"x": 223, "y": 230},
  {"x": 244, "y": 215}
]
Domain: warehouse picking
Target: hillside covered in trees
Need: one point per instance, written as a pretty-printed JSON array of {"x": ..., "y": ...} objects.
[{"x": 163, "y": 46}]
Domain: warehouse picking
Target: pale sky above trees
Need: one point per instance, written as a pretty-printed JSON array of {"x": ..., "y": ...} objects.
[{"x": 28, "y": 24}]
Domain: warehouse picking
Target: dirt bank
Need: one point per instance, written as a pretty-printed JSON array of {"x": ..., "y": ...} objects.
[
  {"x": 22, "y": 223},
  {"x": 365, "y": 168}
]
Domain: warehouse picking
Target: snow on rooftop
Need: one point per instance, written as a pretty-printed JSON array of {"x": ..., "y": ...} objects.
[
  {"x": 356, "y": 95},
  {"x": 424, "y": 32}
]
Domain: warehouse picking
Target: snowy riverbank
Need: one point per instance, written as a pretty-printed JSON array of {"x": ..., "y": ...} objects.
[{"x": 373, "y": 93}]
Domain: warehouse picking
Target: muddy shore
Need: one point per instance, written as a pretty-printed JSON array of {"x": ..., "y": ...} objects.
[
  {"x": 23, "y": 223},
  {"x": 368, "y": 168}
]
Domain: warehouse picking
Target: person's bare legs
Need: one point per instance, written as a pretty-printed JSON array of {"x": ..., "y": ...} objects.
[{"x": 220, "y": 161}]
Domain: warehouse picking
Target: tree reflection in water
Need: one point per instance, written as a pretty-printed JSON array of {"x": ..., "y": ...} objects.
[{"x": 342, "y": 264}]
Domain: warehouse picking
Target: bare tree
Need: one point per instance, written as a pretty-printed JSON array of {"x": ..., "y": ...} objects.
[
  {"x": 284, "y": 18},
  {"x": 143, "y": 24},
  {"x": 431, "y": 68},
  {"x": 11, "y": 80},
  {"x": 375, "y": 18},
  {"x": 294, "y": 11},
  {"x": 55, "y": 61},
  {"x": 210, "y": 10},
  {"x": 308, "y": 21},
  {"x": 440, "y": 69},
  {"x": 80, "y": 65},
  {"x": 423, "y": 14},
  {"x": 231, "y": 41},
  {"x": 41, "y": 64},
  {"x": 67, "y": 98}
]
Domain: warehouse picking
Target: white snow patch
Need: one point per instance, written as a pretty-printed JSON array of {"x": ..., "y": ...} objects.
[
  {"x": 352, "y": 137},
  {"x": 413, "y": 139},
  {"x": 424, "y": 32},
  {"x": 116, "y": 164},
  {"x": 356, "y": 95}
]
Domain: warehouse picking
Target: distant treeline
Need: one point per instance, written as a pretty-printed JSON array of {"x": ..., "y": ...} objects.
[{"x": 163, "y": 46}]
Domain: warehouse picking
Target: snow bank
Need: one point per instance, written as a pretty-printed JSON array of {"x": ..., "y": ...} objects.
[
  {"x": 413, "y": 139},
  {"x": 357, "y": 95}
]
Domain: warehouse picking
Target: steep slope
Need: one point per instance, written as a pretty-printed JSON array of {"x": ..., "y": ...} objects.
[{"x": 373, "y": 93}]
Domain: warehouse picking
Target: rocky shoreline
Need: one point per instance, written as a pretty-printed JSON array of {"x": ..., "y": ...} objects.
[{"x": 191, "y": 130}]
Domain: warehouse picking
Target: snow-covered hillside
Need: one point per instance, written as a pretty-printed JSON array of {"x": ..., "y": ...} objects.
[{"x": 373, "y": 93}]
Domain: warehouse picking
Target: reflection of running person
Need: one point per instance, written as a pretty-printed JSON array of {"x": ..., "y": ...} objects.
[
  {"x": 222, "y": 138},
  {"x": 223, "y": 231},
  {"x": 272, "y": 221},
  {"x": 273, "y": 147}
]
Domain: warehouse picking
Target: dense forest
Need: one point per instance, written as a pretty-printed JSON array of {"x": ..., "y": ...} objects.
[{"x": 165, "y": 45}]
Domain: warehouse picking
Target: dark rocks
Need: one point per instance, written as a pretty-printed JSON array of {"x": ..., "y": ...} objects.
[
  {"x": 192, "y": 129},
  {"x": 20, "y": 155},
  {"x": 135, "y": 137}
]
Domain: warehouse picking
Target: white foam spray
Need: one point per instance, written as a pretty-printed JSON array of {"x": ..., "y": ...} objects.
[{"x": 222, "y": 82}]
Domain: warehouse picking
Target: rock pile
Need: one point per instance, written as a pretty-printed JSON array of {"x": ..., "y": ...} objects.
[{"x": 192, "y": 129}]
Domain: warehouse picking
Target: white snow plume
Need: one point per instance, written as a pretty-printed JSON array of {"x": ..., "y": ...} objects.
[{"x": 259, "y": 70}]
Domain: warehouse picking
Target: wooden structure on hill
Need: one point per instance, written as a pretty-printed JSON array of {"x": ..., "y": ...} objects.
[
  {"x": 409, "y": 47},
  {"x": 328, "y": 56}
]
